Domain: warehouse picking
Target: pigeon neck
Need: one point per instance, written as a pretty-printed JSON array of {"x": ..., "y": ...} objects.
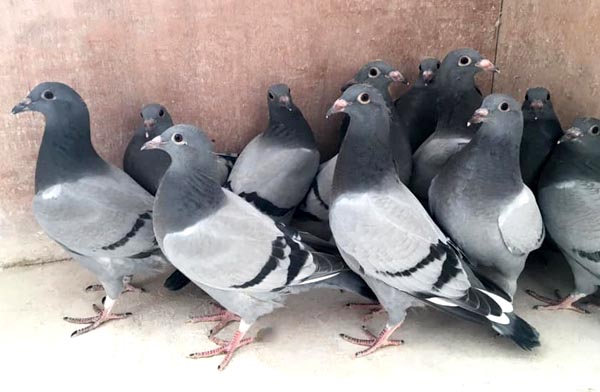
[
  {"x": 188, "y": 192},
  {"x": 66, "y": 152},
  {"x": 459, "y": 98},
  {"x": 290, "y": 128},
  {"x": 365, "y": 159},
  {"x": 546, "y": 122},
  {"x": 567, "y": 164},
  {"x": 497, "y": 149}
]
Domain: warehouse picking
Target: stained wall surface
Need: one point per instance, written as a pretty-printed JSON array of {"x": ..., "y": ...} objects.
[
  {"x": 554, "y": 44},
  {"x": 210, "y": 62}
]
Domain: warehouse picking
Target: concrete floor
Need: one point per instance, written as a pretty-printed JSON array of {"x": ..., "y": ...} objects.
[{"x": 298, "y": 345}]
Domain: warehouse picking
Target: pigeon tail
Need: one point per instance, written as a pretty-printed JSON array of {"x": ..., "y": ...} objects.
[
  {"x": 519, "y": 331},
  {"x": 484, "y": 307}
]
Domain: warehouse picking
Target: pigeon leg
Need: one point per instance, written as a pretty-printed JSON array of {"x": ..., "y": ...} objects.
[
  {"x": 223, "y": 316},
  {"x": 102, "y": 316},
  {"x": 568, "y": 303},
  {"x": 227, "y": 348},
  {"x": 373, "y": 309},
  {"x": 128, "y": 287},
  {"x": 374, "y": 342}
]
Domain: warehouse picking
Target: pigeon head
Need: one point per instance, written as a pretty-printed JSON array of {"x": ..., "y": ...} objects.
[
  {"x": 537, "y": 103},
  {"x": 153, "y": 115},
  {"x": 358, "y": 100},
  {"x": 465, "y": 63},
  {"x": 428, "y": 67},
  {"x": 378, "y": 74},
  {"x": 500, "y": 109},
  {"x": 279, "y": 98},
  {"x": 49, "y": 98},
  {"x": 583, "y": 136},
  {"x": 180, "y": 141}
]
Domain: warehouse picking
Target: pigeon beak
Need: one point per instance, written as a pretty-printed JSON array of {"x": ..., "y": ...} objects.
[
  {"x": 537, "y": 104},
  {"x": 22, "y": 106},
  {"x": 571, "y": 134},
  {"x": 487, "y": 66},
  {"x": 149, "y": 124},
  {"x": 338, "y": 106},
  {"x": 348, "y": 84},
  {"x": 427, "y": 76},
  {"x": 396, "y": 76},
  {"x": 153, "y": 144},
  {"x": 285, "y": 102},
  {"x": 478, "y": 117}
]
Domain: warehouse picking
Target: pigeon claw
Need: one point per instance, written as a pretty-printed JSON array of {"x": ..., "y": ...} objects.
[
  {"x": 227, "y": 348},
  {"x": 374, "y": 342},
  {"x": 568, "y": 303},
  {"x": 102, "y": 316}
]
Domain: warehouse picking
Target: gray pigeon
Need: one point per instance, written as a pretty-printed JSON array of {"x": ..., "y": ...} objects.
[
  {"x": 458, "y": 97},
  {"x": 387, "y": 237},
  {"x": 417, "y": 107},
  {"x": 96, "y": 212},
  {"x": 479, "y": 198},
  {"x": 242, "y": 258},
  {"x": 275, "y": 170},
  {"x": 312, "y": 214},
  {"x": 147, "y": 168},
  {"x": 569, "y": 197},
  {"x": 541, "y": 131}
]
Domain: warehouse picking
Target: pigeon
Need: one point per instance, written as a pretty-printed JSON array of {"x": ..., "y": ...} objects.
[
  {"x": 242, "y": 258},
  {"x": 275, "y": 170},
  {"x": 380, "y": 75},
  {"x": 479, "y": 198},
  {"x": 95, "y": 211},
  {"x": 569, "y": 197},
  {"x": 312, "y": 214},
  {"x": 541, "y": 131},
  {"x": 147, "y": 168},
  {"x": 458, "y": 97},
  {"x": 417, "y": 107},
  {"x": 385, "y": 235}
]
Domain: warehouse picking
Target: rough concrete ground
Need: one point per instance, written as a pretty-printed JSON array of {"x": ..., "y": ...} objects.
[{"x": 299, "y": 345}]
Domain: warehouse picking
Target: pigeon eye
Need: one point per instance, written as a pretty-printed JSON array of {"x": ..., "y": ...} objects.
[
  {"x": 464, "y": 61},
  {"x": 48, "y": 95},
  {"x": 161, "y": 113},
  {"x": 364, "y": 98},
  {"x": 177, "y": 138},
  {"x": 374, "y": 72},
  {"x": 271, "y": 96},
  {"x": 503, "y": 107},
  {"x": 594, "y": 130}
]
